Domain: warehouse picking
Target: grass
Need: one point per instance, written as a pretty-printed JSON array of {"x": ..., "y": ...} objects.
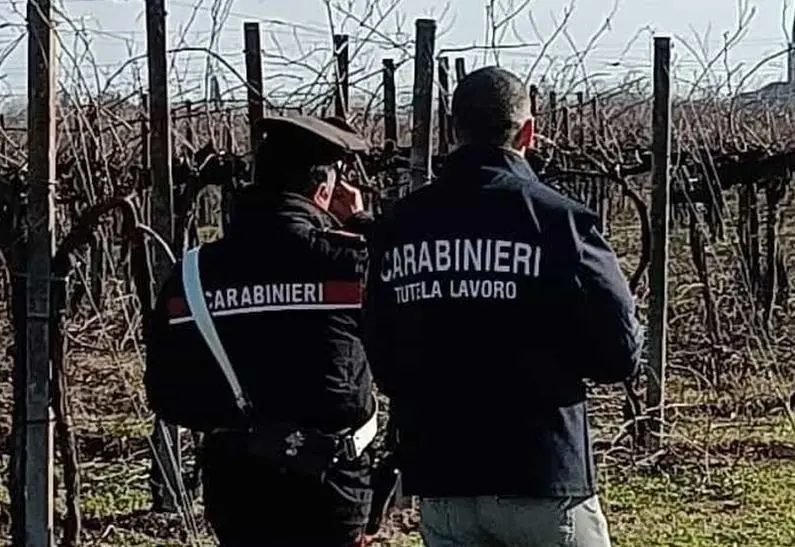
[
  {"x": 745, "y": 500},
  {"x": 748, "y": 506}
]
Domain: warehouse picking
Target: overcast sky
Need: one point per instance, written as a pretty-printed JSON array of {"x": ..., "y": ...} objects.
[{"x": 295, "y": 32}]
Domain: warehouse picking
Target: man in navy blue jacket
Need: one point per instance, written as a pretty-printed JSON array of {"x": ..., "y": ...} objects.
[{"x": 490, "y": 299}]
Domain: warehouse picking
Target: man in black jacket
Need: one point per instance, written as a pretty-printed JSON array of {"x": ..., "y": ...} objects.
[
  {"x": 490, "y": 299},
  {"x": 285, "y": 460}
]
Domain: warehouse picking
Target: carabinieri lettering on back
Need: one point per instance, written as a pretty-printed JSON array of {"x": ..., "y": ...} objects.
[
  {"x": 259, "y": 295},
  {"x": 422, "y": 270}
]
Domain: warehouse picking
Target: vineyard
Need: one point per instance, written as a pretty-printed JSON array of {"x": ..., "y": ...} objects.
[{"x": 703, "y": 455}]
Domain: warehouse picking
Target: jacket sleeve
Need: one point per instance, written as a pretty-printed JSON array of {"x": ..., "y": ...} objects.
[
  {"x": 161, "y": 376},
  {"x": 362, "y": 223},
  {"x": 183, "y": 385},
  {"x": 612, "y": 335},
  {"x": 341, "y": 252}
]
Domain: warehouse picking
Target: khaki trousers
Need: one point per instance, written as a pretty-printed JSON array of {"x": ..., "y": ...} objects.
[{"x": 489, "y": 521}]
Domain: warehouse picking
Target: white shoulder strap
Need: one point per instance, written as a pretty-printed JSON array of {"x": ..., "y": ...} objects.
[{"x": 194, "y": 295}]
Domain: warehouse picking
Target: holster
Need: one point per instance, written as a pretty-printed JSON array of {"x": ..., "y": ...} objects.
[
  {"x": 305, "y": 452},
  {"x": 385, "y": 485},
  {"x": 386, "y": 480}
]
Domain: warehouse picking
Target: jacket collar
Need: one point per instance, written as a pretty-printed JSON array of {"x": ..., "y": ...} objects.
[
  {"x": 469, "y": 158},
  {"x": 296, "y": 204},
  {"x": 257, "y": 210}
]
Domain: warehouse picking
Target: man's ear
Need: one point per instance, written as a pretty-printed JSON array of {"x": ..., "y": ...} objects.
[
  {"x": 322, "y": 195},
  {"x": 526, "y": 135}
]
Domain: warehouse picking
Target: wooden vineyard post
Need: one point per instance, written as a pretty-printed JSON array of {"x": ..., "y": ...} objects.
[
  {"x": 166, "y": 464},
  {"x": 33, "y": 491},
  {"x": 445, "y": 129},
  {"x": 422, "y": 107},
  {"x": 460, "y": 69},
  {"x": 390, "y": 130},
  {"x": 565, "y": 128},
  {"x": 390, "y": 107},
  {"x": 160, "y": 133},
  {"x": 580, "y": 119},
  {"x": 552, "y": 131},
  {"x": 2, "y": 140},
  {"x": 660, "y": 219},
  {"x": 422, "y": 110},
  {"x": 253, "y": 49},
  {"x": 341, "y": 80},
  {"x": 256, "y": 100},
  {"x": 533, "y": 91}
]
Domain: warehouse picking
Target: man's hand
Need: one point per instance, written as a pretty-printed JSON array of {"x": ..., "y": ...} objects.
[{"x": 346, "y": 201}]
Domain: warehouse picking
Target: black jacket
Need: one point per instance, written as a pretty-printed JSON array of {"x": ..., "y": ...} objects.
[
  {"x": 490, "y": 299},
  {"x": 285, "y": 292}
]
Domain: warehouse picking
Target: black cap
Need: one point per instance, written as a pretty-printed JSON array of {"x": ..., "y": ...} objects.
[{"x": 316, "y": 141}]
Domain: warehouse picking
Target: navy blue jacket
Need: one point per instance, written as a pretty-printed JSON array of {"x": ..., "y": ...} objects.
[{"x": 490, "y": 298}]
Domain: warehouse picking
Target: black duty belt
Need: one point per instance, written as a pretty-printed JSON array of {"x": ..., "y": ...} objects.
[{"x": 292, "y": 439}]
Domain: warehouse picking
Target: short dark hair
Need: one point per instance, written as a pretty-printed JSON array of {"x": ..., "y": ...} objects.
[{"x": 489, "y": 106}]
